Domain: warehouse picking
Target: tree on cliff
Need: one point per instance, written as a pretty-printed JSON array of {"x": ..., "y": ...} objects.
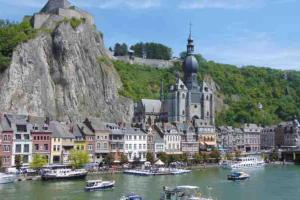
[
  {"x": 78, "y": 158},
  {"x": 150, "y": 157},
  {"x": 120, "y": 49},
  {"x": 38, "y": 162},
  {"x": 152, "y": 50}
]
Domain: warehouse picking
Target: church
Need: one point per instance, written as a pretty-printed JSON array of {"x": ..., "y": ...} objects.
[{"x": 187, "y": 101}]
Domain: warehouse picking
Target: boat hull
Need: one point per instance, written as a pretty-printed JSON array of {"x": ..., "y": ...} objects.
[
  {"x": 71, "y": 177},
  {"x": 5, "y": 180},
  {"x": 105, "y": 187}
]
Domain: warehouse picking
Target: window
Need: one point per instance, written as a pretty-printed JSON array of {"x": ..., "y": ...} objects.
[
  {"x": 25, "y": 158},
  {"x": 18, "y": 136},
  {"x": 38, "y": 137},
  {"x": 140, "y": 137},
  {"x": 134, "y": 146},
  {"x": 21, "y": 128},
  {"x": 144, "y": 146},
  {"x": 34, "y": 137},
  {"x": 105, "y": 146},
  {"x": 140, "y": 146},
  {"x": 90, "y": 147},
  {"x": 98, "y": 146},
  {"x": 5, "y": 138},
  {"x": 26, "y": 148},
  {"x": 126, "y": 146},
  {"x": 58, "y": 147},
  {"x": 54, "y": 147},
  {"x": 6, "y": 148},
  {"x": 130, "y": 146},
  {"x": 26, "y": 136},
  {"x": 18, "y": 148},
  {"x": 46, "y": 147},
  {"x": 36, "y": 147}
]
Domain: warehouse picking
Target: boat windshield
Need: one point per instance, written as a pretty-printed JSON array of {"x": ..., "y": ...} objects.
[
  {"x": 90, "y": 184},
  {"x": 135, "y": 198}
]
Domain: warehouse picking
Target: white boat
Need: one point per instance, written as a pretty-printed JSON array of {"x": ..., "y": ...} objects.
[
  {"x": 184, "y": 192},
  {"x": 93, "y": 185},
  {"x": 247, "y": 162},
  {"x": 7, "y": 178},
  {"x": 238, "y": 176},
  {"x": 132, "y": 196},
  {"x": 64, "y": 174}
]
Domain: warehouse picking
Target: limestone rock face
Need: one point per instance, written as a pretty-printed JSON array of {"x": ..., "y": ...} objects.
[{"x": 64, "y": 75}]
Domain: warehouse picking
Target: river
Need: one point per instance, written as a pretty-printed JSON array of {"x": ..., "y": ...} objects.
[{"x": 269, "y": 183}]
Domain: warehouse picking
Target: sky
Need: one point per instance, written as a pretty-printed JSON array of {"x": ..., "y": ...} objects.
[{"x": 240, "y": 32}]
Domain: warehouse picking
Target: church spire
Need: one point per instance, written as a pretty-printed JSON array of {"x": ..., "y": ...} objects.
[{"x": 190, "y": 45}]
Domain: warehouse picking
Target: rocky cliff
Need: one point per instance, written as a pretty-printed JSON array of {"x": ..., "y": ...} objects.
[{"x": 66, "y": 75}]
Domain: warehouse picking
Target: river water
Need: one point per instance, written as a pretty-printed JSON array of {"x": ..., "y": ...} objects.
[{"x": 269, "y": 183}]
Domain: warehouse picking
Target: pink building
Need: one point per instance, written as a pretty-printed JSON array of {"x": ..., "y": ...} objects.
[
  {"x": 6, "y": 142},
  {"x": 41, "y": 137}
]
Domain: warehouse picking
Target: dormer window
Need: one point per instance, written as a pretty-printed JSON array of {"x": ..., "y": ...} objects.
[
  {"x": 206, "y": 89},
  {"x": 182, "y": 86}
]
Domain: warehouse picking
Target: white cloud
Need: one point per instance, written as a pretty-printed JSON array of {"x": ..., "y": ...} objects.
[{"x": 254, "y": 49}]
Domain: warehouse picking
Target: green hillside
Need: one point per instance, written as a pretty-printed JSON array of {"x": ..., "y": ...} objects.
[{"x": 244, "y": 88}]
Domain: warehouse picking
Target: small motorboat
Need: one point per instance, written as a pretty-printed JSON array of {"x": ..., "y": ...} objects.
[
  {"x": 7, "y": 178},
  {"x": 132, "y": 196},
  {"x": 184, "y": 192},
  {"x": 64, "y": 174},
  {"x": 238, "y": 176},
  {"x": 93, "y": 185}
]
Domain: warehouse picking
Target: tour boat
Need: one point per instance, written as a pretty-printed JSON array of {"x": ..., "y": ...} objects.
[
  {"x": 185, "y": 192},
  {"x": 132, "y": 196},
  {"x": 64, "y": 174},
  {"x": 93, "y": 185},
  {"x": 247, "y": 162},
  {"x": 238, "y": 176},
  {"x": 7, "y": 178}
]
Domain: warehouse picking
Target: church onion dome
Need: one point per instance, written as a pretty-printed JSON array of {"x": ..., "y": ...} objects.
[{"x": 190, "y": 64}]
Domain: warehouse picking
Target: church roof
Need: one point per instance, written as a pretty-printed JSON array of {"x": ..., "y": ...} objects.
[
  {"x": 151, "y": 105},
  {"x": 53, "y": 5},
  {"x": 190, "y": 64},
  {"x": 180, "y": 85}
]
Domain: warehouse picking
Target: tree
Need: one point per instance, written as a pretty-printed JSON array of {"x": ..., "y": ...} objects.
[
  {"x": 152, "y": 50},
  {"x": 108, "y": 159},
  {"x": 124, "y": 158},
  {"x": 150, "y": 157},
  {"x": 78, "y": 158},
  {"x": 274, "y": 156},
  {"x": 38, "y": 162},
  {"x": 215, "y": 154},
  {"x": 237, "y": 154},
  {"x": 18, "y": 162},
  {"x": 198, "y": 158},
  {"x": 228, "y": 156},
  {"x": 120, "y": 49},
  {"x": 163, "y": 157}
]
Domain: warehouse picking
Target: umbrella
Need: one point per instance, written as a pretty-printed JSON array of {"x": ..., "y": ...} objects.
[{"x": 159, "y": 162}]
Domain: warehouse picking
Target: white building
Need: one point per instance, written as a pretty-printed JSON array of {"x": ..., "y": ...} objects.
[{"x": 135, "y": 142}]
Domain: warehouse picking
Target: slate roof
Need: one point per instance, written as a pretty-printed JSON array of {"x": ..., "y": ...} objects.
[
  {"x": 38, "y": 122},
  {"x": 16, "y": 119},
  {"x": 134, "y": 131},
  {"x": 60, "y": 130},
  {"x": 53, "y": 5},
  {"x": 151, "y": 105},
  {"x": 4, "y": 125},
  {"x": 84, "y": 129}
]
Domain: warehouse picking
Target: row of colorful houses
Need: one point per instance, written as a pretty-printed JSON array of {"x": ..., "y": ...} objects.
[{"x": 29, "y": 135}]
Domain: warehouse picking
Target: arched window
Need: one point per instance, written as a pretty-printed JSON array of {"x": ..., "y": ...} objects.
[
  {"x": 183, "y": 113},
  {"x": 207, "y": 113},
  {"x": 183, "y": 96},
  {"x": 207, "y": 97}
]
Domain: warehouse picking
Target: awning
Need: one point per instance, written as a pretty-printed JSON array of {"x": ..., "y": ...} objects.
[
  {"x": 159, "y": 162},
  {"x": 211, "y": 143}
]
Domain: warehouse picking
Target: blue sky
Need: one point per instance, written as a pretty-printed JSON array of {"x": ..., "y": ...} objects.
[{"x": 241, "y": 32}]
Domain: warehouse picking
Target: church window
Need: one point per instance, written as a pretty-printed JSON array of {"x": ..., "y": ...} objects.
[
  {"x": 183, "y": 112},
  {"x": 195, "y": 106},
  {"x": 206, "y": 97},
  {"x": 181, "y": 86},
  {"x": 207, "y": 113},
  {"x": 206, "y": 89},
  {"x": 183, "y": 96}
]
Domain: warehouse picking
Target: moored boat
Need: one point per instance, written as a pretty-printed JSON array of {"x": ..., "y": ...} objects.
[
  {"x": 93, "y": 185},
  {"x": 7, "y": 178},
  {"x": 184, "y": 192},
  {"x": 64, "y": 174},
  {"x": 132, "y": 196},
  {"x": 238, "y": 176},
  {"x": 247, "y": 162}
]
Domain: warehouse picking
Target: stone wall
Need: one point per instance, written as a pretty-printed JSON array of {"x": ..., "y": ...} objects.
[{"x": 149, "y": 62}]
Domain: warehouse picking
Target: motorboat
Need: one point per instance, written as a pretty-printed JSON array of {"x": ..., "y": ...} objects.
[
  {"x": 7, "y": 178},
  {"x": 64, "y": 174},
  {"x": 247, "y": 162},
  {"x": 93, "y": 185},
  {"x": 184, "y": 192},
  {"x": 238, "y": 176},
  {"x": 132, "y": 196}
]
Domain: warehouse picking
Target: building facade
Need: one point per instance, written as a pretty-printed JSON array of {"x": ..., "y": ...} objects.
[
  {"x": 267, "y": 138},
  {"x": 252, "y": 137},
  {"x": 135, "y": 142},
  {"x": 6, "y": 143}
]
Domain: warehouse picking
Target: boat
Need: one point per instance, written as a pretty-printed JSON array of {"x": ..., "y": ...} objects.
[
  {"x": 132, "y": 196},
  {"x": 7, "y": 178},
  {"x": 184, "y": 192},
  {"x": 64, "y": 174},
  {"x": 238, "y": 176},
  {"x": 93, "y": 185},
  {"x": 247, "y": 162},
  {"x": 157, "y": 172}
]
